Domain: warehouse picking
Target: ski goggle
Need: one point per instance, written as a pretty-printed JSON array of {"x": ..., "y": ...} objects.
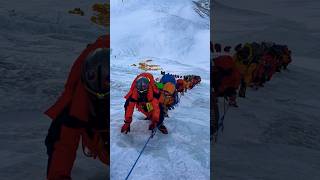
[{"x": 144, "y": 86}]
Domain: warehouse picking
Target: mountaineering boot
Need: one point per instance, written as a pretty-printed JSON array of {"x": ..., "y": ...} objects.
[{"x": 163, "y": 129}]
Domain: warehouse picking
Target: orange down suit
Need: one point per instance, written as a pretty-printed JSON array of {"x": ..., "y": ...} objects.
[
  {"x": 227, "y": 74},
  {"x": 71, "y": 114},
  {"x": 134, "y": 100}
]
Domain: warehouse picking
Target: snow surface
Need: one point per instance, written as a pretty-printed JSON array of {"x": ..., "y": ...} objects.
[
  {"x": 174, "y": 36},
  {"x": 274, "y": 134},
  {"x": 39, "y": 41}
]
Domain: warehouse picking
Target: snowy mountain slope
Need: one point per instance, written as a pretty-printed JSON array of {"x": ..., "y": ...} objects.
[
  {"x": 176, "y": 38},
  {"x": 274, "y": 132},
  {"x": 39, "y": 41}
]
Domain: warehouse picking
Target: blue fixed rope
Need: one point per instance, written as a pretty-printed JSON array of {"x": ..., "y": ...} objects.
[
  {"x": 145, "y": 145},
  {"x": 225, "y": 110}
]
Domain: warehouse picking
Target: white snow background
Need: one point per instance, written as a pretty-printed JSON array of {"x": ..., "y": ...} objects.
[
  {"x": 39, "y": 41},
  {"x": 274, "y": 134},
  {"x": 176, "y": 38}
]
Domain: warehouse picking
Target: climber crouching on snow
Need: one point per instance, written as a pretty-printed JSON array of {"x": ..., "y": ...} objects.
[
  {"x": 168, "y": 98},
  {"x": 169, "y": 86},
  {"x": 81, "y": 112},
  {"x": 181, "y": 86},
  {"x": 168, "y": 94},
  {"x": 196, "y": 80},
  {"x": 144, "y": 95},
  {"x": 226, "y": 79}
]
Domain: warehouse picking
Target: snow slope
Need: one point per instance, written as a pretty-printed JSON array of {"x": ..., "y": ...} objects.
[
  {"x": 175, "y": 37},
  {"x": 39, "y": 41},
  {"x": 274, "y": 134}
]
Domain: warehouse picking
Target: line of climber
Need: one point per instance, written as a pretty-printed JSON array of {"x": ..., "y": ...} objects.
[{"x": 249, "y": 65}]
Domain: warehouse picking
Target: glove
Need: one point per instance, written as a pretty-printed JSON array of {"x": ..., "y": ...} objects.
[
  {"x": 152, "y": 126},
  {"x": 125, "y": 128}
]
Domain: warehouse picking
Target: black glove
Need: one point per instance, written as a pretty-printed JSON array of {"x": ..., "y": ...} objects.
[{"x": 125, "y": 128}]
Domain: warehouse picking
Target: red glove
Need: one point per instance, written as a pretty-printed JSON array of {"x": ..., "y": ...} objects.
[
  {"x": 152, "y": 126},
  {"x": 125, "y": 128}
]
